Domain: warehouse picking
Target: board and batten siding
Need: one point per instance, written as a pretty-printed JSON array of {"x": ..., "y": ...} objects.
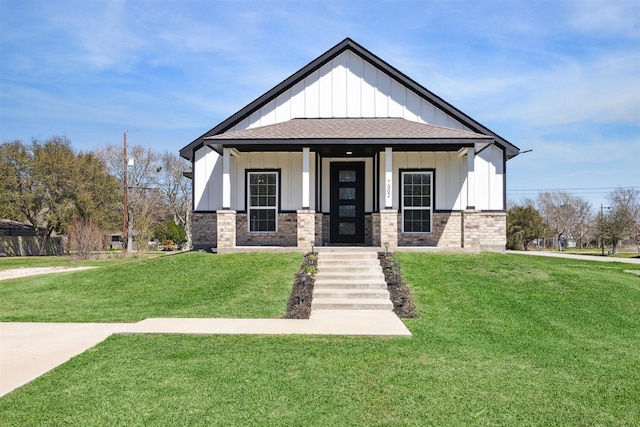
[
  {"x": 207, "y": 184},
  {"x": 348, "y": 87},
  {"x": 450, "y": 171},
  {"x": 490, "y": 179},
  {"x": 207, "y": 180},
  {"x": 290, "y": 186}
]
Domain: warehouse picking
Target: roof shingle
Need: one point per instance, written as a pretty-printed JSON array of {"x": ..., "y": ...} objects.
[{"x": 368, "y": 128}]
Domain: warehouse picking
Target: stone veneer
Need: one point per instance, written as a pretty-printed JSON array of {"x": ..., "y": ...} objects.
[
  {"x": 468, "y": 229},
  {"x": 286, "y": 235},
  {"x": 319, "y": 228},
  {"x": 204, "y": 226},
  {"x": 384, "y": 228},
  {"x": 446, "y": 227},
  {"x": 485, "y": 230},
  {"x": 226, "y": 228},
  {"x": 474, "y": 229},
  {"x": 306, "y": 228}
]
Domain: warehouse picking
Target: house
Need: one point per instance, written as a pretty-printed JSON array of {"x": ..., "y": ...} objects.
[
  {"x": 22, "y": 239},
  {"x": 349, "y": 151}
]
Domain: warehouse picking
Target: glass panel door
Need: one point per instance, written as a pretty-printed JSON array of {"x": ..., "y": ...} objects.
[{"x": 347, "y": 202}]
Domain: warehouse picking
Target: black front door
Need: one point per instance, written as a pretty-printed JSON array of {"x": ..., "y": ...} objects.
[{"x": 347, "y": 202}]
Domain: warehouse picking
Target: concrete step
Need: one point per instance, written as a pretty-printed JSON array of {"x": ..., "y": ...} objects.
[
  {"x": 355, "y": 283},
  {"x": 350, "y": 281},
  {"x": 332, "y": 256},
  {"x": 351, "y": 293},
  {"x": 346, "y": 262},
  {"x": 350, "y": 304},
  {"x": 349, "y": 270}
]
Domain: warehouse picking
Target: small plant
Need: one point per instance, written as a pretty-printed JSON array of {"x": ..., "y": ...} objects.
[
  {"x": 310, "y": 270},
  {"x": 168, "y": 245}
]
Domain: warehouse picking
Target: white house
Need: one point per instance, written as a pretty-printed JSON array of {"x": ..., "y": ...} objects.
[{"x": 349, "y": 150}]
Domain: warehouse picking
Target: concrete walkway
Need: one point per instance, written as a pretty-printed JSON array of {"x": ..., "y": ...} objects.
[
  {"x": 28, "y": 350},
  {"x": 573, "y": 256}
]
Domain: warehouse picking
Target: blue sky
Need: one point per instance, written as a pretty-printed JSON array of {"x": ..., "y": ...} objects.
[{"x": 561, "y": 78}]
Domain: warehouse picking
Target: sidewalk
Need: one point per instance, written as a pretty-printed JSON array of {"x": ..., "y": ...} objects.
[
  {"x": 582, "y": 257},
  {"x": 28, "y": 350}
]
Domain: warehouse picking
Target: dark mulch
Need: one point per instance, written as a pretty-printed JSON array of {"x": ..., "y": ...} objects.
[
  {"x": 299, "y": 306},
  {"x": 403, "y": 304}
]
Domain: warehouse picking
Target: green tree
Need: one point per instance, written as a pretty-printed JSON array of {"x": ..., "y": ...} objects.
[
  {"x": 48, "y": 185},
  {"x": 524, "y": 224},
  {"x": 168, "y": 230}
]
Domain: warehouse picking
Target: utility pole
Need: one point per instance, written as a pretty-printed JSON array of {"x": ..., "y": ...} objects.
[{"x": 125, "y": 207}]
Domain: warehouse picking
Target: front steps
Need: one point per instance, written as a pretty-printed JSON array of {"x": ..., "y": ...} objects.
[{"x": 350, "y": 280}]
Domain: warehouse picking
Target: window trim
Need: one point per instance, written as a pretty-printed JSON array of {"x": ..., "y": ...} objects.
[
  {"x": 248, "y": 207},
  {"x": 431, "y": 208}
]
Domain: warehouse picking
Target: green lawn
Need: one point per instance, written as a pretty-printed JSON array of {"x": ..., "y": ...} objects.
[
  {"x": 195, "y": 284},
  {"x": 501, "y": 340}
]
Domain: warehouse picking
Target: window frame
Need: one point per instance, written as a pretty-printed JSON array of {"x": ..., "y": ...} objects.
[
  {"x": 249, "y": 207},
  {"x": 431, "y": 208}
]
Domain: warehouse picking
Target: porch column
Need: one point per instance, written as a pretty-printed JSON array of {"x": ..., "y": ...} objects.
[
  {"x": 388, "y": 178},
  {"x": 306, "y": 218},
  {"x": 226, "y": 228},
  {"x": 471, "y": 178},
  {"x": 388, "y": 225},
  {"x": 226, "y": 178},
  {"x": 305, "y": 178}
]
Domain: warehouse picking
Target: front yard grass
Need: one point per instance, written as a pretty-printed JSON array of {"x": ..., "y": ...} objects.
[
  {"x": 195, "y": 284},
  {"x": 501, "y": 340}
]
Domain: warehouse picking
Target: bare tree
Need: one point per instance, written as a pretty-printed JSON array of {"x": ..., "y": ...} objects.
[
  {"x": 176, "y": 190},
  {"x": 142, "y": 170},
  {"x": 622, "y": 219},
  {"x": 563, "y": 213},
  {"x": 85, "y": 237},
  {"x": 581, "y": 224}
]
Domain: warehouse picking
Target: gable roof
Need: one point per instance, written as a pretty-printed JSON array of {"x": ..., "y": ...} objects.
[{"x": 347, "y": 44}]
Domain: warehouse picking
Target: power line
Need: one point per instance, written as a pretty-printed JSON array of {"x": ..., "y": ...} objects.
[{"x": 570, "y": 189}]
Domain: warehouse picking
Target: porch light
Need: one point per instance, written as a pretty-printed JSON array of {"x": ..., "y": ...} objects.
[
  {"x": 386, "y": 248},
  {"x": 349, "y": 153}
]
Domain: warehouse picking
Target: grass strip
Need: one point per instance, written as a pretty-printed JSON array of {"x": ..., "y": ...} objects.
[
  {"x": 500, "y": 340},
  {"x": 194, "y": 284}
]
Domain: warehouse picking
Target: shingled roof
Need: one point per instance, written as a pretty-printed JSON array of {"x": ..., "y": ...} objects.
[{"x": 348, "y": 129}]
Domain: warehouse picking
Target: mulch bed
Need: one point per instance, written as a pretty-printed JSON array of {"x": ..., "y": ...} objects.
[
  {"x": 403, "y": 304},
  {"x": 299, "y": 306}
]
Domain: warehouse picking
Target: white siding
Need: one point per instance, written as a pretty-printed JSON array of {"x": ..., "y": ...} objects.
[
  {"x": 290, "y": 165},
  {"x": 449, "y": 170},
  {"x": 490, "y": 179},
  {"x": 348, "y": 87},
  {"x": 207, "y": 180}
]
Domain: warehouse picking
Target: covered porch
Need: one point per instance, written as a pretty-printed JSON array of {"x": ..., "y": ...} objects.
[{"x": 366, "y": 182}]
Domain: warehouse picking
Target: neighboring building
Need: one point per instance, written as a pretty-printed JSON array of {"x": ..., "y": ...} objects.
[
  {"x": 348, "y": 150},
  {"x": 21, "y": 239}
]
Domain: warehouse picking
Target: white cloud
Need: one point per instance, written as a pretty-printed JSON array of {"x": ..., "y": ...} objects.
[{"x": 612, "y": 17}]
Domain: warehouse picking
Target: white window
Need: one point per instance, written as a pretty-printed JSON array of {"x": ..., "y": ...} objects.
[
  {"x": 263, "y": 201},
  {"x": 417, "y": 201}
]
